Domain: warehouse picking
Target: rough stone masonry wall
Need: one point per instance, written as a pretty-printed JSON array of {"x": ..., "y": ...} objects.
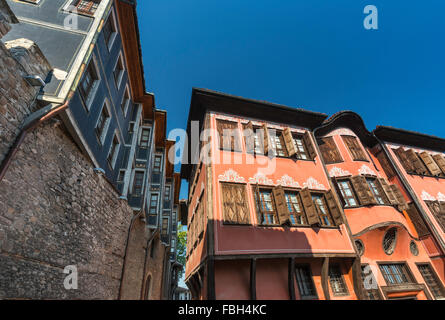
[
  {"x": 54, "y": 212},
  {"x": 17, "y": 58}
]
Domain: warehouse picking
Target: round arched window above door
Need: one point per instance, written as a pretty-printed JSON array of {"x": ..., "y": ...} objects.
[{"x": 389, "y": 241}]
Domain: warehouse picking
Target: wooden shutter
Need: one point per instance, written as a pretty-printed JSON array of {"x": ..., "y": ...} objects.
[
  {"x": 310, "y": 147},
  {"x": 256, "y": 190},
  {"x": 403, "y": 157},
  {"x": 364, "y": 193},
  {"x": 384, "y": 162},
  {"x": 309, "y": 207},
  {"x": 235, "y": 208},
  {"x": 402, "y": 204},
  {"x": 388, "y": 191},
  {"x": 280, "y": 203},
  {"x": 440, "y": 161},
  {"x": 265, "y": 139},
  {"x": 249, "y": 137},
  {"x": 329, "y": 150},
  {"x": 289, "y": 142},
  {"x": 354, "y": 147},
  {"x": 419, "y": 167},
  {"x": 333, "y": 208},
  {"x": 430, "y": 164},
  {"x": 417, "y": 220}
]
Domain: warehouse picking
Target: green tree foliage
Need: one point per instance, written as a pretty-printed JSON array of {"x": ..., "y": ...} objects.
[{"x": 181, "y": 248}]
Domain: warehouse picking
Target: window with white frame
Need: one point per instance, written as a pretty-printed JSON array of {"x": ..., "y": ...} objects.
[
  {"x": 103, "y": 122},
  {"x": 89, "y": 83},
  {"x": 114, "y": 151},
  {"x": 85, "y": 7},
  {"x": 125, "y": 101},
  {"x": 118, "y": 72},
  {"x": 110, "y": 30}
]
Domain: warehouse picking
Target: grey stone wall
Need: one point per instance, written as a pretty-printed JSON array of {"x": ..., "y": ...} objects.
[
  {"x": 54, "y": 212},
  {"x": 17, "y": 58}
]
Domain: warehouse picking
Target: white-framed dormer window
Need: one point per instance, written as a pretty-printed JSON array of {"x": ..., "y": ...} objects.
[
  {"x": 103, "y": 122},
  {"x": 144, "y": 138},
  {"x": 84, "y": 7},
  {"x": 114, "y": 150},
  {"x": 118, "y": 71},
  {"x": 125, "y": 101},
  {"x": 110, "y": 30},
  {"x": 89, "y": 83}
]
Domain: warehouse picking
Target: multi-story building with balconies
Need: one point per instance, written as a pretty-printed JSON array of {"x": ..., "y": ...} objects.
[
  {"x": 97, "y": 89},
  {"x": 286, "y": 203}
]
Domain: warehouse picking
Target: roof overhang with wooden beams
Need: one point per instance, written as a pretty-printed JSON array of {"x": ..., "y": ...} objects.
[
  {"x": 160, "y": 128},
  {"x": 128, "y": 26},
  {"x": 410, "y": 138},
  {"x": 351, "y": 120},
  {"x": 169, "y": 167},
  {"x": 204, "y": 100},
  {"x": 177, "y": 184}
]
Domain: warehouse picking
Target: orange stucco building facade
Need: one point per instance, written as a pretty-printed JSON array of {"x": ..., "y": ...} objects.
[{"x": 286, "y": 203}]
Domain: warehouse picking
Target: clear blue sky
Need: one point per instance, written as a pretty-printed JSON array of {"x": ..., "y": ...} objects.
[{"x": 314, "y": 54}]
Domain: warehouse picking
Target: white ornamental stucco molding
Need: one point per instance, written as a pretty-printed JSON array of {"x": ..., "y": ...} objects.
[
  {"x": 339, "y": 172},
  {"x": 427, "y": 197},
  {"x": 440, "y": 196},
  {"x": 260, "y": 178},
  {"x": 287, "y": 181},
  {"x": 365, "y": 170},
  {"x": 312, "y": 183},
  {"x": 231, "y": 176}
]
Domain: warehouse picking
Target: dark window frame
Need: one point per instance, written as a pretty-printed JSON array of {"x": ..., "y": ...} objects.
[
  {"x": 355, "y": 148},
  {"x": 406, "y": 272},
  {"x": 309, "y": 282},
  {"x": 320, "y": 213},
  {"x": 345, "y": 198},
  {"x": 433, "y": 274},
  {"x": 339, "y": 158},
  {"x": 339, "y": 279}
]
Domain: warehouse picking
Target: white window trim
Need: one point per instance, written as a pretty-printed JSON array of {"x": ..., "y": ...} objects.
[
  {"x": 127, "y": 104},
  {"x": 107, "y": 123},
  {"x": 69, "y": 7},
  {"x": 121, "y": 74},
  {"x": 132, "y": 179},
  {"x": 124, "y": 171},
  {"x": 92, "y": 95},
  {"x": 140, "y": 134},
  {"x": 114, "y": 26},
  {"x": 116, "y": 152}
]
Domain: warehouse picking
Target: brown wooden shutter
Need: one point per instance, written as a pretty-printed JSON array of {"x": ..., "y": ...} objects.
[
  {"x": 310, "y": 147},
  {"x": 289, "y": 142},
  {"x": 384, "y": 162},
  {"x": 417, "y": 220},
  {"x": 256, "y": 190},
  {"x": 388, "y": 191},
  {"x": 440, "y": 161},
  {"x": 249, "y": 137},
  {"x": 266, "y": 139},
  {"x": 280, "y": 203},
  {"x": 309, "y": 207},
  {"x": 419, "y": 167},
  {"x": 329, "y": 150},
  {"x": 333, "y": 208},
  {"x": 364, "y": 193},
  {"x": 235, "y": 208},
  {"x": 402, "y": 204},
  {"x": 430, "y": 164},
  {"x": 403, "y": 157}
]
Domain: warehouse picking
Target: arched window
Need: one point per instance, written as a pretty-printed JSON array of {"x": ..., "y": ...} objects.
[
  {"x": 389, "y": 241},
  {"x": 147, "y": 288}
]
